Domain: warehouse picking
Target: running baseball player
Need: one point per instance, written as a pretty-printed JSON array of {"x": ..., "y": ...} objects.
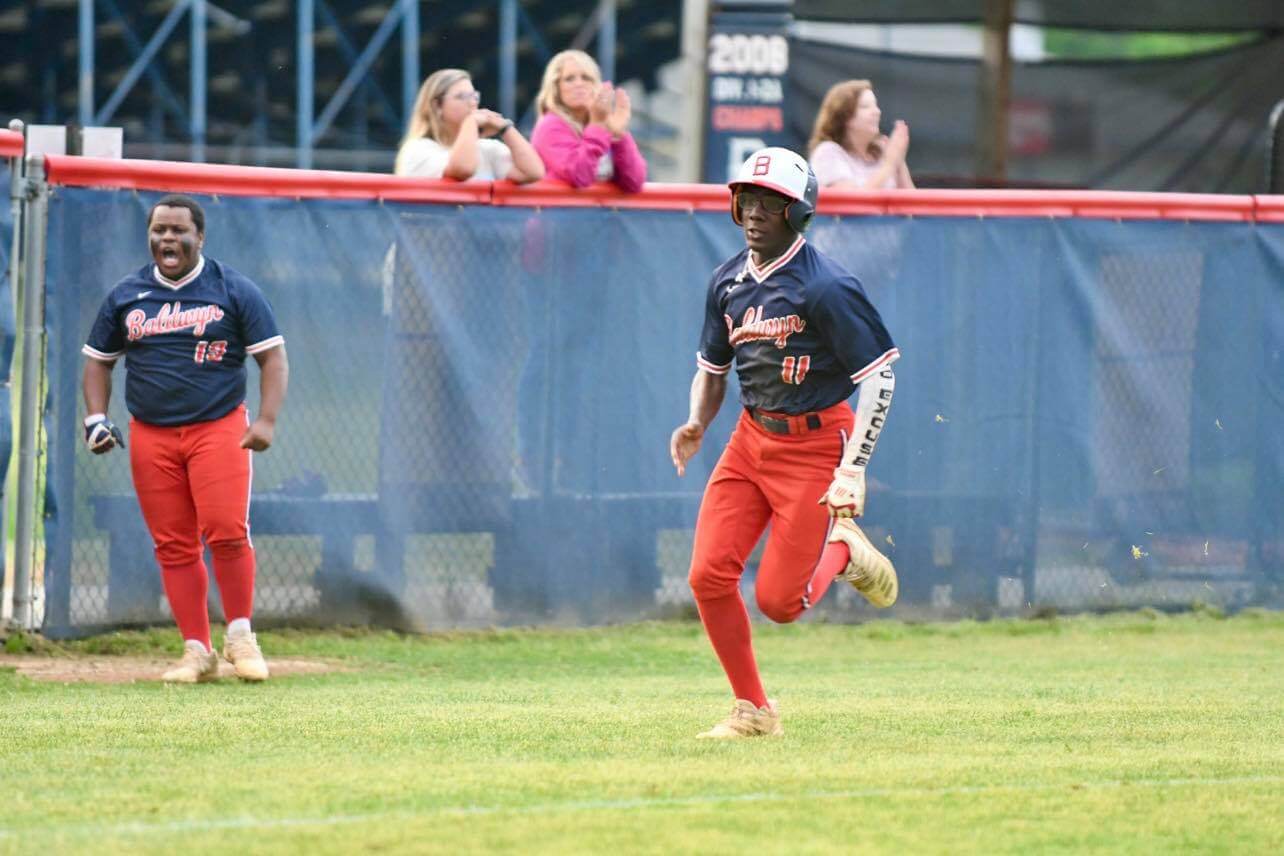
[
  {"x": 185, "y": 325},
  {"x": 803, "y": 336}
]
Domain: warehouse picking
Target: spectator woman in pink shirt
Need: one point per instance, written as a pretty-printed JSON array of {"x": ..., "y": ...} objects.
[
  {"x": 583, "y": 128},
  {"x": 848, "y": 151}
]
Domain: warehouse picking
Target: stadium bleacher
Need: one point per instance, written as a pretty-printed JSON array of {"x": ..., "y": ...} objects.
[{"x": 252, "y": 48}]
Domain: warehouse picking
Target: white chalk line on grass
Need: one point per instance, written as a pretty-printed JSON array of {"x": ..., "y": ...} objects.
[{"x": 242, "y": 823}]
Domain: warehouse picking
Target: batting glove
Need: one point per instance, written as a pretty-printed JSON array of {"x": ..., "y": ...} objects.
[
  {"x": 846, "y": 494},
  {"x": 101, "y": 435}
]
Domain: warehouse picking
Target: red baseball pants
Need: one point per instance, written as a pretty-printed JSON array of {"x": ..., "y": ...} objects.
[
  {"x": 193, "y": 484},
  {"x": 764, "y": 478}
]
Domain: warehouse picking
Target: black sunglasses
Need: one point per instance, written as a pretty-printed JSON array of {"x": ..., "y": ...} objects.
[{"x": 772, "y": 203}]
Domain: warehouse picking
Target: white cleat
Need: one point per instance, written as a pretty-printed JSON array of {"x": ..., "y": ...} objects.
[
  {"x": 869, "y": 571},
  {"x": 196, "y": 667},
  {"x": 242, "y": 651}
]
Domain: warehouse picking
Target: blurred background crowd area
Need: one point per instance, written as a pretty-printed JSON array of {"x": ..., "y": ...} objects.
[{"x": 1173, "y": 96}]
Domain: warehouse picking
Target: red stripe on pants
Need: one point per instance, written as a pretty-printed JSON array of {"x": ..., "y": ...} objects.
[{"x": 193, "y": 484}]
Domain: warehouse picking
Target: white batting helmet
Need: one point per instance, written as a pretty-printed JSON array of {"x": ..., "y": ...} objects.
[{"x": 785, "y": 172}]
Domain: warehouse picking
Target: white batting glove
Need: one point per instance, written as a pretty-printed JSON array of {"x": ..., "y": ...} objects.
[
  {"x": 846, "y": 494},
  {"x": 101, "y": 435}
]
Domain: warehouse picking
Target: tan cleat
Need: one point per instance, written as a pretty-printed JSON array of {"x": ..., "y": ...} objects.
[
  {"x": 196, "y": 667},
  {"x": 242, "y": 651},
  {"x": 746, "y": 720},
  {"x": 869, "y": 571}
]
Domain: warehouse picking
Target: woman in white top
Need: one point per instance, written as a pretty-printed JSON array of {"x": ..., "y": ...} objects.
[
  {"x": 450, "y": 136},
  {"x": 848, "y": 151}
]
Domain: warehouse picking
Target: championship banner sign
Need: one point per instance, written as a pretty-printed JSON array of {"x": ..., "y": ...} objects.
[{"x": 747, "y": 61}]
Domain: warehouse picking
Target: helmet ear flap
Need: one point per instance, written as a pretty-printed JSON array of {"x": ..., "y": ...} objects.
[
  {"x": 800, "y": 211},
  {"x": 798, "y": 215}
]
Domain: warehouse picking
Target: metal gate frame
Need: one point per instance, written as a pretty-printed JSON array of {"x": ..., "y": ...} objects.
[{"x": 29, "y": 201}]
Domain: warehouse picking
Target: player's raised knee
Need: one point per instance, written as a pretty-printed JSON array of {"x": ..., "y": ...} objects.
[{"x": 780, "y": 609}]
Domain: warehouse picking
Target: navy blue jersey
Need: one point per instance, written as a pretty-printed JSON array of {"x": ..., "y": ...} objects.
[
  {"x": 800, "y": 329},
  {"x": 184, "y": 342}
]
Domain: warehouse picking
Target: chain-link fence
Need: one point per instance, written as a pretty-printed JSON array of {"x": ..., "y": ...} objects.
[{"x": 481, "y": 400}]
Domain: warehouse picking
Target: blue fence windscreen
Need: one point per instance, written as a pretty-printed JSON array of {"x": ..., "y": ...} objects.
[{"x": 481, "y": 400}]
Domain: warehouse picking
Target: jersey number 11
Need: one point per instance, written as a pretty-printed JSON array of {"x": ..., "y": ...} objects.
[{"x": 794, "y": 369}]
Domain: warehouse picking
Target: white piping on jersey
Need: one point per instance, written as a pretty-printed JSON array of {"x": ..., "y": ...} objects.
[
  {"x": 265, "y": 345},
  {"x": 710, "y": 367},
  {"x": 176, "y": 284},
  {"x": 760, "y": 274},
  {"x": 890, "y": 357},
  {"x": 807, "y": 604},
  {"x": 101, "y": 356}
]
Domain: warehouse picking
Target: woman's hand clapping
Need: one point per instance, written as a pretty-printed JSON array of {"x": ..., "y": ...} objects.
[
  {"x": 618, "y": 122},
  {"x": 896, "y": 146},
  {"x": 612, "y": 109}
]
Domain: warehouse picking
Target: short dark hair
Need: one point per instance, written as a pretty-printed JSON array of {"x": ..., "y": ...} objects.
[{"x": 177, "y": 200}]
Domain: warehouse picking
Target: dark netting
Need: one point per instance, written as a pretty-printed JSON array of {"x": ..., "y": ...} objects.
[
  {"x": 481, "y": 400},
  {"x": 1089, "y": 14},
  {"x": 1275, "y": 153},
  {"x": 1196, "y": 123}
]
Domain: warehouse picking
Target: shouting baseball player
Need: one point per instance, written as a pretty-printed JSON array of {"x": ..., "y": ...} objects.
[
  {"x": 802, "y": 335},
  {"x": 185, "y": 325}
]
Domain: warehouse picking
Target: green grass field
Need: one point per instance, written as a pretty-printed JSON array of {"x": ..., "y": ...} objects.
[{"x": 1140, "y": 733}]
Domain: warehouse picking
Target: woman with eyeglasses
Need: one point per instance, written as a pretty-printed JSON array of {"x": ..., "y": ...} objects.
[
  {"x": 583, "y": 130},
  {"x": 452, "y": 136},
  {"x": 848, "y": 149}
]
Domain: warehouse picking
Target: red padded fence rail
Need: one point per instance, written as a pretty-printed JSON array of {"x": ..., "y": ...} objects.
[
  {"x": 1269, "y": 209},
  {"x": 1040, "y": 203},
  {"x": 257, "y": 181},
  {"x": 311, "y": 184},
  {"x": 661, "y": 197},
  {"x": 10, "y": 144}
]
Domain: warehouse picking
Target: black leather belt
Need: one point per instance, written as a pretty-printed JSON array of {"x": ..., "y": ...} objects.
[{"x": 785, "y": 425}]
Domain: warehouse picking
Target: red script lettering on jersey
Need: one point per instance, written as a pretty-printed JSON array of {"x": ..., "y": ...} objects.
[
  {"x": 171, "y": 319},
  {"x": 755, "y": 328}
]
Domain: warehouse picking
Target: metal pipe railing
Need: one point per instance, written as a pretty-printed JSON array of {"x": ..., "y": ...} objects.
[
  {"x": 16, "y": 196},
  {"x": 36, "y": 198}
]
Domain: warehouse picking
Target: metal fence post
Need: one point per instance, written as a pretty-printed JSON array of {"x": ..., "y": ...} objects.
[
  {"x": 16, "y": 203},
  {"x": 16, "y": 198},
  {"x": 35, "y": 221}
]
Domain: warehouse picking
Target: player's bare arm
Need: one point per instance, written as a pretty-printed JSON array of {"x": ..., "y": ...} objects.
[
  {"x": 846, "y": 495},
  {"x": 96, "y": 383},
  {"x": 100, "y": 434},
  {"x": 707, "y": 393},
  {"x": 274, "y": 377}
]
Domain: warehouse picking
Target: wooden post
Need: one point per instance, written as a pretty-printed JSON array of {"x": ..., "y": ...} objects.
[{"x": 995, "y": 92}]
